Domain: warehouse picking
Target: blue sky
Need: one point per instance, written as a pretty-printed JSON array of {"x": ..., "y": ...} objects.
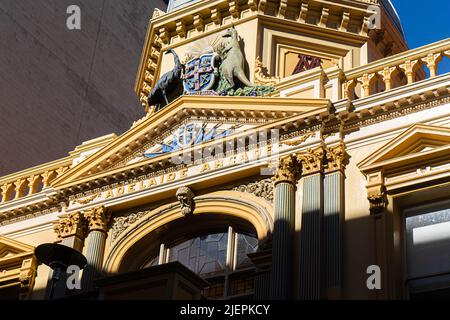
[{"x": 425, "y": 22}]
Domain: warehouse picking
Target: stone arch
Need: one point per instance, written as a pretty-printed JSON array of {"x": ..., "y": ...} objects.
[{"x": 233, "y": 204}]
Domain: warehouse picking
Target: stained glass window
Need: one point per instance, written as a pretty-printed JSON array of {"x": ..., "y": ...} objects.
[
  {"x": 245, "y": 244},
  {"x": 207, "y": 256},
  {"x": 203, "y": 255}
]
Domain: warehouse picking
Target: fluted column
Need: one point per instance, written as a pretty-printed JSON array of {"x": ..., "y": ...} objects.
[
  {"x": 333, "y": 213},
  {"x": 311, "y": 225},
  {"x": 70, "y": 231},
  {"x": 282, "y": 261},
  {"x": 97, "y": 219}
]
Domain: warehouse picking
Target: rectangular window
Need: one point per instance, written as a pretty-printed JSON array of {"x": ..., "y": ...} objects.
[{"x": 427, "y": 240}]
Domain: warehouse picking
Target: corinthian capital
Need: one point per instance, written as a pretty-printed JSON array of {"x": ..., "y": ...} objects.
[
  {"x": 71, "y": 225},
  {"x": 98, "y": 218},
  {"x": 335, "y": 158},
  {"x": 287, "y": 171},
  {"x": 312, "y": 161}
]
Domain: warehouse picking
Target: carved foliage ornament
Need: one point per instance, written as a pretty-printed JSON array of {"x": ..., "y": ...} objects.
[
  {"x": 98, "y": 218},
  {"x": 312, "y": 161},
  {"x": 261, "y": 77},
  {"x": 261, "y": 188},
  {"x": 377, "y": 203},
  {"x": 287, "y": 171},
  {"x": 335, "y": 158},
  {"x": 72, "y": 225},
  {"x": 121, "y": 223},
  {"x": 186, "y": 198}
]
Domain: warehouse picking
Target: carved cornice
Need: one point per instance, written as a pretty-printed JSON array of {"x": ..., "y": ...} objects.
[
  {"x": 335, "y": 158},
  {"x": 98, "y": 219},
  {"x": 287, "y": 171},
  {"x": 72, "y": 225},
  {"x": 312, "y": 161}
]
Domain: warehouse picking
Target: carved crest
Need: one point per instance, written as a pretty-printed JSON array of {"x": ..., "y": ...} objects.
[{"x": 200, "y": 73}]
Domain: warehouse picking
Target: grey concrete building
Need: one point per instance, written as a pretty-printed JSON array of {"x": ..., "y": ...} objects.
[{"x": 59, "y": 87}]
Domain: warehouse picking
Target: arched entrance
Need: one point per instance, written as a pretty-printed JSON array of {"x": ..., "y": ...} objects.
[{"x": 213, "y": 241}]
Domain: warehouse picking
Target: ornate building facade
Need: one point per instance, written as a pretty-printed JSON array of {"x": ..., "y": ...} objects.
[{"x": 305, "y": 157}]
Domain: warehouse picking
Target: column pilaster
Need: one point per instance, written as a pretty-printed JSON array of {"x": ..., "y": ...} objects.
[
  {"x": 97, "y": 220},
  {"x": 70, "y": 231},
  {"x": 311, "y": 224},
  {"x": 282, "y": 256},
  {"x": 333, "y": 217}
]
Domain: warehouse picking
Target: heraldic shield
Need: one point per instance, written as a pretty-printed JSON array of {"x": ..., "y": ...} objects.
[{"x": 200, "y": 73}]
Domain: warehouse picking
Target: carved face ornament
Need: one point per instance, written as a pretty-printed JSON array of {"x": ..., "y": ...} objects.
[{"x": 185, "y": 196}]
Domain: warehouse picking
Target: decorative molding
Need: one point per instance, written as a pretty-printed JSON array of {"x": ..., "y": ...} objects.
[
  {"x": 186, "y": 198},
  {"x": 262, "y": 188},
  {"x": 261, "y": 77},
  {"x": 17, "y": 266},
  {"x": 86, "y": 200},
  {"x": 299, "y": 141}
]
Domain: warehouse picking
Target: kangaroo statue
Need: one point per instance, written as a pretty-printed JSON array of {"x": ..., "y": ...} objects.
[{"x": 233, "y": 60}]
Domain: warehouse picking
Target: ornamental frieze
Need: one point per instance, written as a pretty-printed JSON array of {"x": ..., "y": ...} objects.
[
  {"x": 262, "y": 188},
  {"x": 119, "y": 224}
]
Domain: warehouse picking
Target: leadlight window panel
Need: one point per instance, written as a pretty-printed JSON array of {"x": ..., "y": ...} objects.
[
  {"x": 428, "y": 250},
  {"x": 205, "y": 255},
  {"x": 245, "y": 244},
  {"x": 152, "y": 262}
]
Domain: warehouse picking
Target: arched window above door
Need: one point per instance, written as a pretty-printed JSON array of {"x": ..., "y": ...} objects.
[{"x": 218, "y": 255}]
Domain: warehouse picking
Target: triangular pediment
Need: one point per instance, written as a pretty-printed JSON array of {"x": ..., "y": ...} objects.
[
  {"x": 10, "y": 248},
  {"x": 419, "y": 141},
  {"x": 218, "y": 115}
]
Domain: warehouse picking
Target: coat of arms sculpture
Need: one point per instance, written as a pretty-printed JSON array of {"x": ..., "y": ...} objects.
[
  {"x": 217, "y": 70},
  {"x": 200, "y": 73}
]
